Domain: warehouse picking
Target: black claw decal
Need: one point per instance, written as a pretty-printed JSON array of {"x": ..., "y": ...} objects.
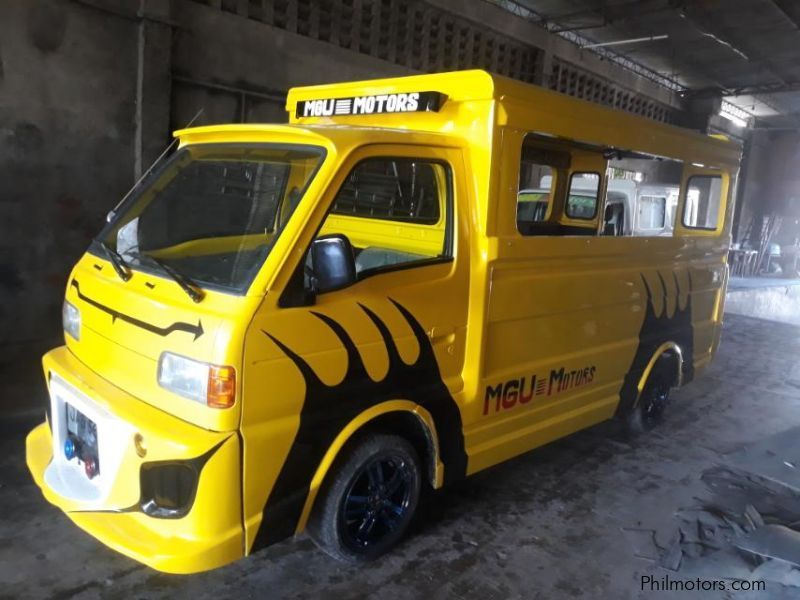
[
  {"x": 663, "y": 284},
  {"x": 328, "y": 408},
  {"x": 680, "y": 303},
  {"x": 657, "y": 329}
]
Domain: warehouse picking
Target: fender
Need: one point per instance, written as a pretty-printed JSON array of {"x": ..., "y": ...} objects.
[
  {"x": 385, "y": 408},
  {"x": 660, "y": 351}
]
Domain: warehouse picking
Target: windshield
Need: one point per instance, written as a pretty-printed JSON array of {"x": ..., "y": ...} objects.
[{"x": 212, "y": 213}]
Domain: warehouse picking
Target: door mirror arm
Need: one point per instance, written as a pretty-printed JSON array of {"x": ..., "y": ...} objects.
[
  {"x": 329, "y": 265},
  {"x": 310, "y": 281},
  {"x": 301, "y": 290}
]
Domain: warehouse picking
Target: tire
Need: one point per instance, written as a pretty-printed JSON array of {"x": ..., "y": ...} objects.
[
  {"x": 653, "y": 401},
  {"x": 368, "y": 502}
]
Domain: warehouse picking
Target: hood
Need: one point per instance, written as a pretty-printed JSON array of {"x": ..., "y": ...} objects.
[{"x": 127, "y": 325}]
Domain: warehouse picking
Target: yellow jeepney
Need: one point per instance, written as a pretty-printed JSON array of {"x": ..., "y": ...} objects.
[{"x": 300, "y": 326}]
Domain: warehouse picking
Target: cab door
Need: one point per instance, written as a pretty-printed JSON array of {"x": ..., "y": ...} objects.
[{"x": 320, "y": 358}]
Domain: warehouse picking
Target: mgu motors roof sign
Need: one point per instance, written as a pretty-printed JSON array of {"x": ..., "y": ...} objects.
[{"x": 405, "y": 102}]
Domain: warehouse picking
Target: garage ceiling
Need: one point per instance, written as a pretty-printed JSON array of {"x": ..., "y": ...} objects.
[{"x": 747, "y": 49}]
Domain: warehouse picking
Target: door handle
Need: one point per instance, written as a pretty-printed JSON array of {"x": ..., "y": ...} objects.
[{"x": 442, "y": 334}]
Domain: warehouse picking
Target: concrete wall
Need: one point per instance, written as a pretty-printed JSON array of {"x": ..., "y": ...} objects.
[
  {"x": 238, "y": 69},
  {"x": 772, "y": 181},
  {"x": 89, "y": 95},
  {"x": 66, "y": 148},
  {"x": 774, "y": 302},
  {"x": 90, "y": 90}
]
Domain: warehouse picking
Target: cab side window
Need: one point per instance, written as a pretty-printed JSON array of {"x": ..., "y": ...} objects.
[
  {"x": 392, "y": 189},
  {"x": 395, "y": 213}
]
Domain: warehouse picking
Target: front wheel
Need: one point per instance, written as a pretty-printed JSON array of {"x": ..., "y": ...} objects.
[{"x": 369, "y": 502}]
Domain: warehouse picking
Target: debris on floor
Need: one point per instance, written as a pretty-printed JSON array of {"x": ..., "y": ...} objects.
[
  {"x": 643, "y": 542},
  {"x": 746, "y": 525},
  {"x": 773, "y": 541}
]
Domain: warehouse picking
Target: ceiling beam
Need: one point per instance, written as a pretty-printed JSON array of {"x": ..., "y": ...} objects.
[
  {"x": 603, "y": 15},
  {"x": 790, "y": 9},
  {"x": 765, "y": 89},
  {"x": 599, "y": 10},
  {"x": 701, "y": 23}
]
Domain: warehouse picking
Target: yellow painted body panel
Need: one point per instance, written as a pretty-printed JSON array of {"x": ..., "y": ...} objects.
[{"x": 512, "y": 342}]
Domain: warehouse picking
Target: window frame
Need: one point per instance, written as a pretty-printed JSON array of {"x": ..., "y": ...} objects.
[
  {"x": 685, "y": 197},
  {"x": 596, "y": 195}
]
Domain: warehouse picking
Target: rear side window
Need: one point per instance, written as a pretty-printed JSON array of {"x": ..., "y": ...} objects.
[
  {"x": 584, "y": 189},
  {"x": 393, "y": 189},
  {"x": 701, "y": 209}
]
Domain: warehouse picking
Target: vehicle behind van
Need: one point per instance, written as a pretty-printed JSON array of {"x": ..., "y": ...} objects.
[{"x": 631, "y": 208}]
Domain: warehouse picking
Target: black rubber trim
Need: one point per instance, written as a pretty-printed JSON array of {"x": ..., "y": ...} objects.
[{"x": 196, "y": 330}]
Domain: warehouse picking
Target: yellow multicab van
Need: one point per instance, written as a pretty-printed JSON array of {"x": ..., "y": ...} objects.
[{"x": 290, "y": 327}]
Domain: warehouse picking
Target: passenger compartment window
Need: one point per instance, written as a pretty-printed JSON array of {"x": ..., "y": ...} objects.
[
  {"x": 703, "y": 201},
  {"x": 641, "y": 194},
  {"x": 395, "y": 212},
  {"x": 558, "y": 187},
  {"x": 584, "y": 189}
]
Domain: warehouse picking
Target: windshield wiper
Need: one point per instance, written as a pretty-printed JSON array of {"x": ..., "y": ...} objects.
[
  {"x": 119, "y": 264},
  {"x": 186, "y": 284}
]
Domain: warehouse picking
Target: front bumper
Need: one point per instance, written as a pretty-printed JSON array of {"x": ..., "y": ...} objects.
[{"x": 109, "y": 507}]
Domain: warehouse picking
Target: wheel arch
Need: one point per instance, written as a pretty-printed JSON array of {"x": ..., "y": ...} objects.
[
  {"x": 671, "y": 352},
  {"x": 402, "y": 417}
]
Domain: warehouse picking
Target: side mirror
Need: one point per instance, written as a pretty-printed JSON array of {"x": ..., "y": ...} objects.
[{"x": 332, "y": 263}]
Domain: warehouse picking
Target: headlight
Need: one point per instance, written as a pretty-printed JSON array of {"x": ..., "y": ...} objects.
[
  {"x": 212, "y": 385},
  {"x": 71, "y": 317}
]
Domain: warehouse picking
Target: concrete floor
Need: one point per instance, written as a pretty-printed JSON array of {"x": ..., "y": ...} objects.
[{"x": 549, "y": 524}]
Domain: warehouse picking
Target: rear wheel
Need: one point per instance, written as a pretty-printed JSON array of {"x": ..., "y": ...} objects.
[
  {"x": 368, "y": 504},
  {"x": 649, "y": 411}
]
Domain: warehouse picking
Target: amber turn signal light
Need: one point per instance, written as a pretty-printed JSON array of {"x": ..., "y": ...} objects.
[{"x": 221, "y": 387}]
